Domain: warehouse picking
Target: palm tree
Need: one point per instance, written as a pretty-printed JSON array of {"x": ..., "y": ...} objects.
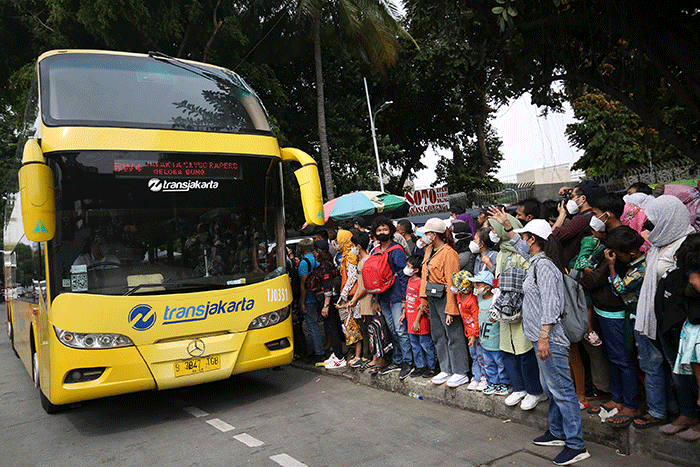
[{"x": 368, "y": 25}]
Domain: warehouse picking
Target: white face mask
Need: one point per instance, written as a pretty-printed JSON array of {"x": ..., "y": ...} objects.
[
  {"x": 420, "y": 244},
  {"x": 597, "y": 224},
  {"x": 409, "y": 271},
  {"x": 454, "y": 289},
  {"x": 427, "y": 239},
  {"x": 355, "y": 250},
  {"x": 474, "y": 247},
  {"x": 572, "y": 207},
  {"x": 480, "y": 291},
  {"x": 494, "y": 237}
]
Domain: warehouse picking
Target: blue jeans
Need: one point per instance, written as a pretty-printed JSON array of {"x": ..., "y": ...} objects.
[
  {"x": 523, "y": 372},
  {"x": 399, "y": 333},
  {"x": 564, "y": 412},
  {"x": 423, "y": 350},
  {"x": 660, "y": 397},
  {"x": 311, "y": 318},
  {"x": 478, "y": 365},
  {"x": 623, "y": 367},
  {"x": 495, "y": 371}
]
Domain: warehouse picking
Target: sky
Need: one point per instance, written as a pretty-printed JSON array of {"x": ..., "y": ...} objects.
[{"x": 529, "y": 141}]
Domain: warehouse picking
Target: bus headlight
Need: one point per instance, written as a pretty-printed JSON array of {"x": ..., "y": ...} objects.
[
  {"x": 102, "y": 340},
  {"x": 269, "y": 319}
]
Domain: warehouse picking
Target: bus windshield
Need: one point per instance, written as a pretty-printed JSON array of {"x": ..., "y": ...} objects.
[
  {"x": 147, "y": 92},
  {"x": 148, "y": 222}
]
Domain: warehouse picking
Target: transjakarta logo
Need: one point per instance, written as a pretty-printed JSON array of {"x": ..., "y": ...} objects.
[
  {"x": 156, "y": 185},
  {"x": 142, "y": 317},
  {"x": 200, "y": 312}
]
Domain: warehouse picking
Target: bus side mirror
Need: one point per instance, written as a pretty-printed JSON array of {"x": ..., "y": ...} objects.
[
  {"x": 309, "y": 184},
  {"x": 36, "y": 194}
]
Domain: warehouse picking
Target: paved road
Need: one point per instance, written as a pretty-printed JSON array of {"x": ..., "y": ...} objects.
[{"x": 287, "y": 417}]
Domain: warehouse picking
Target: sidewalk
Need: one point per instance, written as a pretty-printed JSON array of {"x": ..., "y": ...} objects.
[{"x": 649, "y": 442}]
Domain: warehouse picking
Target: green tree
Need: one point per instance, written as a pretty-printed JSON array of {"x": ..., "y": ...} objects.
[
  {"x": 371, "y": 26},
  {"x": 613, "y": 138},
  {"x": 463, "y": 171}
]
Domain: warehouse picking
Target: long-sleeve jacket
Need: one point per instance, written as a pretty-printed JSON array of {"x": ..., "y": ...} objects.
[
  {"x": 438, "y": 268},
  {"x": 573, "y": 232}
]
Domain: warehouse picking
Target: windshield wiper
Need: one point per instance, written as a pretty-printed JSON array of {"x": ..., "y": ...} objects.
[
  {"x": 177, "y": 285},
  {"x": 176, "y": 62}
]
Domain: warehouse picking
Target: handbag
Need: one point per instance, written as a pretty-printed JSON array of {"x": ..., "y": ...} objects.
[{"x": 435, "y": 290}]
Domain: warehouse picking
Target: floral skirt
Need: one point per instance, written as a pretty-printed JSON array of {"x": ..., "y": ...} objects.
[
  {"x": 688, "y": 349},
  {"x": 351, "y": 330}
]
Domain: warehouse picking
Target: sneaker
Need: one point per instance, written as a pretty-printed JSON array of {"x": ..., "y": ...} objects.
[
  {"x": 569, "y": 456},
  {"x": 418, "y": 372},
  {"x": 330, "y": 359},
  {"x": 530, "y": 401},
  {"x": 441, "y": 377},
  {"x": 490, "y": 389},
  {"x": 548, "y": 439},
  {"x": 429, "y": 374},
  {"x": 457, "y": 380},
  {"x": 389, "y": 368},
  {"x": 406, "y": 369},
  {"x": 482, "y": 385},
  {"x": 514, "y": 398},
  {"x": 336, "y": 364},
  {"x": 503, "y": 390},
  {"x": 473, "y": 385}
]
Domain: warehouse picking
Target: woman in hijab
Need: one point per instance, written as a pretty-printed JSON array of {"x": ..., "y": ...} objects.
[
  {"x": 348, "y": 273},
  {"x": 671, "y": 227},
  {"x": 691, "y": 199},
  {"x": 462, "y": 235},
  {"x": 634, "y": 216}
]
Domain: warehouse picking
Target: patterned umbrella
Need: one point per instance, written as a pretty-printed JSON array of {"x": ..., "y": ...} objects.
[{"x": 361, "y": 203}]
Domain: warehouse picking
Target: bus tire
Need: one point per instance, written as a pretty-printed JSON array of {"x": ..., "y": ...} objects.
[{"x": 46, "y": 404}]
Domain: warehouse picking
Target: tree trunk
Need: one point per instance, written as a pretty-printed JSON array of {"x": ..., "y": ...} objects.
[
  {"x": 320, "y": 106},
  {"x": 481, "y": 139}
]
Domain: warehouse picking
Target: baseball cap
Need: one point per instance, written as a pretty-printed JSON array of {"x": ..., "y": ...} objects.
[
  {"x": 484, "y": 276},
  {"x": 359, "y": 220},
  {"x": 433, "y": 225},
  {"x": 539, "y": 227},
  {"x": 591, "y": 190}
]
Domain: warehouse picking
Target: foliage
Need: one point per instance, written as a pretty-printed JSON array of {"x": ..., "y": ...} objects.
[
  {"x": 461, "y": 173},
  {"x": 613, "y": 138}
]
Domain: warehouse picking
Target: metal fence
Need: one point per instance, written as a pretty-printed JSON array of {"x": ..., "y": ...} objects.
[{"x": 508, "y": 194}]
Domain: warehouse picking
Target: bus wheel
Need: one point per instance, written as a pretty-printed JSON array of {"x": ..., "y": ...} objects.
[{"x": 46, "y": 404}]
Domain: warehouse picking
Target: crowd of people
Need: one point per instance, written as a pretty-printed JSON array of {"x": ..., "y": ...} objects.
[{"x": 479, "y": 302}]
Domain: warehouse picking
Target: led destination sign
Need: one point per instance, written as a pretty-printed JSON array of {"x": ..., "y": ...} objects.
[{"x": 177, "y": 169}]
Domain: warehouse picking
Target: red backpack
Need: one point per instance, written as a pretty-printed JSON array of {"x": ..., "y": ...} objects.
[{"x": 377, "y": 275}]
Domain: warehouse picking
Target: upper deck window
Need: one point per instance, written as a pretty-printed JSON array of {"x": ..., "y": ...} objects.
[{"x": 84, "y": 89}]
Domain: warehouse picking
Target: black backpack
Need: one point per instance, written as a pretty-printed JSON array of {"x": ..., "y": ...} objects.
[{"x": 379, "y": 338}]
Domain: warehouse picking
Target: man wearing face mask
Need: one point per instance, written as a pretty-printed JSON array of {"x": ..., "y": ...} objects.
[
  {"x": 527, "y": 209},
  {"x": 579, "y": 207},
  {"x": 607, "y": 212}
]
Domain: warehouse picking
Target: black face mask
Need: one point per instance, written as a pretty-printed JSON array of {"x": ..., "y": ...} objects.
[
  {"x": 383, "y": 237},
  {"x": 648, "y": 225}
]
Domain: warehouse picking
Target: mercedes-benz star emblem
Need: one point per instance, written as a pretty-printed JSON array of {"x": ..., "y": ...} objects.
[{"x": 195, "y": 348}]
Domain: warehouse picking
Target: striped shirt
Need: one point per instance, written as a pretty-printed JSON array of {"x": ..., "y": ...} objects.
[{"x": 543, "y": 300}]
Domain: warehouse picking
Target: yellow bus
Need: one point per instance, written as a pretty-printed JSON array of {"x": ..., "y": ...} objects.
[{"x": 144, "y": 233}]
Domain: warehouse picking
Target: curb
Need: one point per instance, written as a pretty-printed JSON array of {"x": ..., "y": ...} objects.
[{"x": 630, "y": 440}]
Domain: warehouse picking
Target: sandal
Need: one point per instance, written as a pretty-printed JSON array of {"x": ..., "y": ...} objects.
[
  {"x": 374, "y": 369},
  {"x": 626, "y": 420},
  {"x": 359, "y": 363},
  {"x": 647, "y": 421},
  {"x": 596, "y": 410},
  {"x": 593, "y": 339}
]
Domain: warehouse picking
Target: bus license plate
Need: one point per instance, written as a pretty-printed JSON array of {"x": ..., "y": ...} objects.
[{"x": 197, "y": 365}]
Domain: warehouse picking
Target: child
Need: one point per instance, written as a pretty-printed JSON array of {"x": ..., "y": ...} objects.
[
  {"x": 469, "y": 310},
  {"x": 489, "y": 336},
  {"x": 418, "y": 322}
]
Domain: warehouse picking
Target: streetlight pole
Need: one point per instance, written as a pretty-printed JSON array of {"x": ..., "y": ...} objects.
[{"x": 374, "y": 133}]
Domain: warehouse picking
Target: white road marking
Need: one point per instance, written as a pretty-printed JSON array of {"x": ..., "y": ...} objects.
[
  {"x": 248, "y": 440},
  {"x": 220, "y": 425},
  {"x": 195, "y": 412},
  {"x": 287, "y": 461}
]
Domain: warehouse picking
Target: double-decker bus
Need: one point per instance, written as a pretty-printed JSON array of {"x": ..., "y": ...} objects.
[{"x": 145, "y": 227}]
